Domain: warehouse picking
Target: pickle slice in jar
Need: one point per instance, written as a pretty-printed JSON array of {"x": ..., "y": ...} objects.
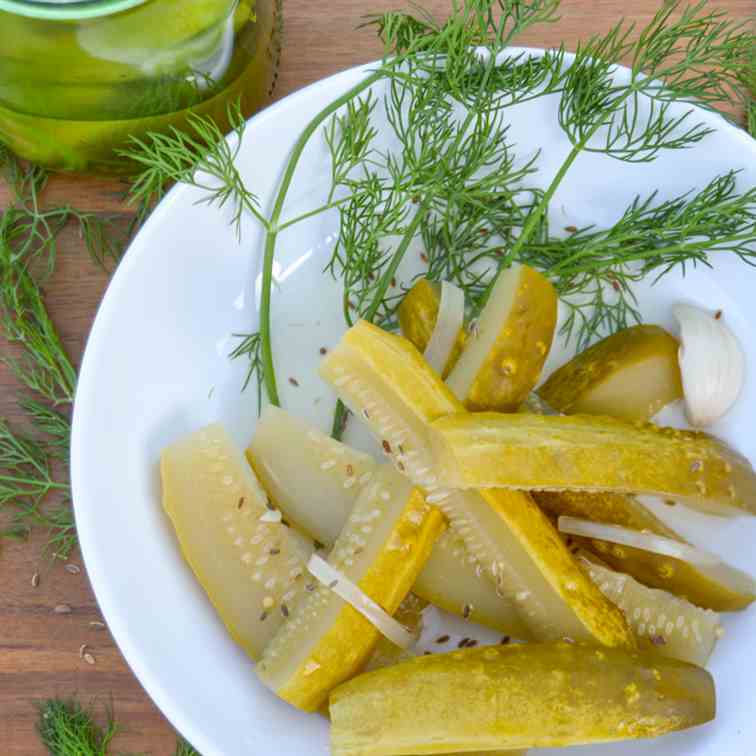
[
  {"x": 631, "y": 374},
  {"x": 507, "y": 347},
  {"x": 316, "y": 481},
  {"x": 417, "y": 315},
  {"x": 386, "y": 382},
  {"x": 711, "y": 586},
  {"x": 586, "y": 452},
  {"x": 517, "y": 696},
  {"x": 324, "y": 641},
  {"x": 248, "y": 562},
  {"x": 664, "y": 623}
]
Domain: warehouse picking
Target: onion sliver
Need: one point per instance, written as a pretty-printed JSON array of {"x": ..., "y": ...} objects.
[
  {"x": 636, "y": 539},
  {"x": 347, "y": 590}
]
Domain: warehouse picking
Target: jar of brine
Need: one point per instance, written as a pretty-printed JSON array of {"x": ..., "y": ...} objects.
[{"x": 78, "y": 79}]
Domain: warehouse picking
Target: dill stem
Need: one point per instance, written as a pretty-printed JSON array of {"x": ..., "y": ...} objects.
[{"x": 271, "y": 237}]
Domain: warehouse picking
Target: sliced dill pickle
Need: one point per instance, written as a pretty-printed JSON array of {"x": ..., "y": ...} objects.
[
  {"x": 586, "y": 452},
  {"x": 386, "y": 541},
  {"x": 517, "y": 696},
  {"x": 505, "y": 352},
  {"x": 664, "y": 623},
  {"x": 316, "y": 482},
  {"x": 314, "y": 479},
  {"x": 248, "y": 565},
  {"x": 417, "y": 314},
  {"x": 631, "y": 374},
  {"x": 717, "y": 586},
  {"x": 384, "y": 380}
]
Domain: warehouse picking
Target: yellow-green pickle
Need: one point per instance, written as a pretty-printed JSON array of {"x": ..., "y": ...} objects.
[
  {"x": 517, "y": 696},
  {"x": 77, "y": 80}
]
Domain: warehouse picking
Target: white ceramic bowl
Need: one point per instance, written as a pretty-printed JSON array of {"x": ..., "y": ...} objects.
[{"x": 156, "y": 367}]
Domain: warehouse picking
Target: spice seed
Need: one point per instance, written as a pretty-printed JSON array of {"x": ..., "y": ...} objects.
[
  {"x": 263, "y": 616},
  {"x": 323, "y": 350},
  {"x": 349, "y": 470},
  {"x": 467, "y": 609},
  {"x": 273, "y": 552},
  {"x": 505, "y": 640},
  {"x": 284, "y": 610},
  {"x": 718, "y": 315},
  {"x": 386, "y": 447},
  {"x": 571, "y": 229},
  {"x": 462, "y": 643},
  {"x": 658, "y": 640},
  {"x": 82, "y": 649},
  {"x": 62, "y": 609},
  {"x": 35, "y": 580},
  {"x": 73, "y": 569},
  {"x": 442, "y": 639},
  {"x": 333, "y": 583},
  {"x": 241, "y": 503},
  {"x": 471, "y": 643},
  {"x": 88, "y": 658},
  {"x": 293, "y": 381},
  {"x": 96, "y": 625}
]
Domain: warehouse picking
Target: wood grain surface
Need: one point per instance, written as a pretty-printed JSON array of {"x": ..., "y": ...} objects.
[{"x": 39, "y": 649}]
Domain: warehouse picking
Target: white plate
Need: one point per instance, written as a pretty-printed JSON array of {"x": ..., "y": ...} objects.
[{"x": 156, "y": 367}]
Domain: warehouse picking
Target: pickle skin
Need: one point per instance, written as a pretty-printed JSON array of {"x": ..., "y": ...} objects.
[
  {"x": 417, "y": 315},
  {"x": 592, "y": 453},
  {"x": 517, "y": 696},
  {"x": 502, "y": 377},
  {"x": 605, "y": 379},
  {"x": 347, "y": 645}
]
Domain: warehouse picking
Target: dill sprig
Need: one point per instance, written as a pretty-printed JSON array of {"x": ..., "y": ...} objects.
[
  {"x": 594, "y": 269},
  {"x": 200, "y": 156},
  {"x": 249, "y": 348},
  {"x": 33, "y": 474},
  {"x": 67, "y": 729}
]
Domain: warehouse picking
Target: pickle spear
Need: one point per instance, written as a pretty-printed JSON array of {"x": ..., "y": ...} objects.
[
  {"x": 631, "y": 374},
  {"x": 248, "y": 562},
  {"x": 381, "y": 549},
  {"x": 669, "y": 625},
  {"x": 584, "y": 452},
  {"x": 386, "y": 382},
  {"x": 711, "y": 586},
  {"x": 505, "y": 352},
  {"x": 316, "y": 481},
  {"x": 417, "y": 314},
  {"x": 517, "y": 696}
]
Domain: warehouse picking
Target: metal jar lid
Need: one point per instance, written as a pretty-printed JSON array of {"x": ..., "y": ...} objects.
[{"x": 66, "y": 10}]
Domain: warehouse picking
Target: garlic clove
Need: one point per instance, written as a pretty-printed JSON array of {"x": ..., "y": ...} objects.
[{"x": 712, "y": 364}]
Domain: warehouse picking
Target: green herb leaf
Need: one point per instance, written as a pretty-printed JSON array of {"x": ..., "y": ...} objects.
[{"x": 66, "y": 729}]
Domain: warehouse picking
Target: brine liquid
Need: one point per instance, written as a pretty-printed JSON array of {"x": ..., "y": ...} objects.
[{"x": 72, "y": 93}]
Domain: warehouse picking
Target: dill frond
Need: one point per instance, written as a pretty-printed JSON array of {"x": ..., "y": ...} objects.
[{"x": 67, "y": 729}]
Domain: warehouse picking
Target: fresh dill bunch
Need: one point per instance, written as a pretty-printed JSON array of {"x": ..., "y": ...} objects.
[
  {"x": 200, "y": 156},
  {"x": 31, "y": 487},
  {"x": 67, "y": 729}
]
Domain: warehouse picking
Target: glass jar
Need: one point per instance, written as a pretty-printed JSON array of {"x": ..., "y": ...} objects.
[{"x": 77, "y": 79}]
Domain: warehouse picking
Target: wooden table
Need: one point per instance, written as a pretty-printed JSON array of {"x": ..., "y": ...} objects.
[{"x": 39, "y": 649}]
